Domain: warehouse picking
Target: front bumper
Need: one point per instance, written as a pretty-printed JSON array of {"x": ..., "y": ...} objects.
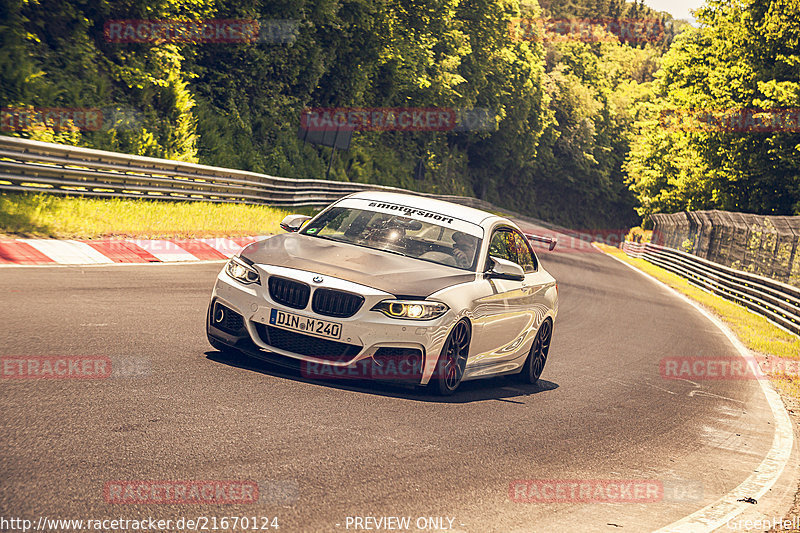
[{"x": 371, "y": 345}]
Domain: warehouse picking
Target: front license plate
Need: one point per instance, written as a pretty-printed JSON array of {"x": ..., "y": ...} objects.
[{"x": 323, "y": 328}]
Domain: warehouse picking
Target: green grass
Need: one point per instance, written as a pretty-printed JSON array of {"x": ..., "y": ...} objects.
[
  {"x": 44, "y": 215},
  {"x": 756, "y": 332}
]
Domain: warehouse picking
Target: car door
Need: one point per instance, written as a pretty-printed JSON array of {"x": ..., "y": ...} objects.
[
  {"x": 503, "y": 316},
  {"x": 535, "y": 287}
]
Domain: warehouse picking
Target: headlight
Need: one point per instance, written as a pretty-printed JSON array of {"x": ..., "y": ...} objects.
[
  {"x": 242, "y": 272},
  {"x": 411, "y": 309}
]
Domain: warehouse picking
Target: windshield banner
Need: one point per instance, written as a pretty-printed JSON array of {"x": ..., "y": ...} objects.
[{"x": 410, "y": 211}]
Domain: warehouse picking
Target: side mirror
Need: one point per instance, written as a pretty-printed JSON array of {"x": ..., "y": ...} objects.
[
  {"x": 293, "y": 223},
  {"x": 505, "y": 269}
]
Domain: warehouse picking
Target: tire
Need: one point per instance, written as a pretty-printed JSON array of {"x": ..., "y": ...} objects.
[
  {"x": 453, "y": 359},
  {"x": 534, "y": 364}
]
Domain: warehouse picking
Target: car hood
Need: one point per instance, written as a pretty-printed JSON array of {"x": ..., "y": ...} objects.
[{"x": 395, "y": 274}]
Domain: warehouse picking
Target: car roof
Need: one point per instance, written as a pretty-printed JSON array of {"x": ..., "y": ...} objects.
[{"x": 462, "y": 212}]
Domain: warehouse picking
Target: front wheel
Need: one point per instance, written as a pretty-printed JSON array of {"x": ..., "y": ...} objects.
[
  {"x": 534, "y": 365},
  {"x": 453, "y": 359}
]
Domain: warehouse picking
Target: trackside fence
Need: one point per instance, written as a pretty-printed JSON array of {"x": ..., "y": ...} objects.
[
  {"x": 760, "y": 244},
  {"x": 777, "y": 301}
]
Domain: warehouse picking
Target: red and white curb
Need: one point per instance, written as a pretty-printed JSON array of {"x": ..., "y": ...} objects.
[{"x": 111, "y": 251}]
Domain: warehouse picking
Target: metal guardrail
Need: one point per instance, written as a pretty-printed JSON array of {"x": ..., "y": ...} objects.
[
  {"x": 34, "y": 166},
  {"x": 776, "y": 301}
]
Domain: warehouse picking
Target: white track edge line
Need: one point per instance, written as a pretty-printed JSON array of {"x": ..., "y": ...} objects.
[{"x": 717, "y": 514}]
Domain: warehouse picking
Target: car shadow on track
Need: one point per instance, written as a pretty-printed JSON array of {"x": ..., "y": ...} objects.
[{"x": 504, "y": 388}]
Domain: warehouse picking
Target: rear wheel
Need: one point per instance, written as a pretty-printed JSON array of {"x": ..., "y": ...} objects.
[
  {"x": 534, "y": 365},
  {"x": 453, "y": 359}
]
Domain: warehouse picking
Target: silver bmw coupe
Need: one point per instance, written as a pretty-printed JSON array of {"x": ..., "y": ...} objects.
[{"x": 390, "y": 286}]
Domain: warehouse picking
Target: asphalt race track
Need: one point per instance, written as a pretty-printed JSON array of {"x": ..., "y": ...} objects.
[{"x": 325, "y": 451}]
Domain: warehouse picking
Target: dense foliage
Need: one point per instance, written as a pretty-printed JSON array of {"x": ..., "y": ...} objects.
[
  {"x": 744, "y": 58},
  {"x": 564, "y": 108}
]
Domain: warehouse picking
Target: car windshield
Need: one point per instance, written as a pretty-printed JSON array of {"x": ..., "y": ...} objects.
[{"x": 403, "y": 235}]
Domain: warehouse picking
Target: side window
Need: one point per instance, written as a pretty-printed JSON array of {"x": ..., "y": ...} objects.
[
  {"x": 502, "y": 245},
  {"x": 525, "y": 256}
]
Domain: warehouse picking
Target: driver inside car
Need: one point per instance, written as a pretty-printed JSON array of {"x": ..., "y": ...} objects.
[{"x": 464, "y": 247}]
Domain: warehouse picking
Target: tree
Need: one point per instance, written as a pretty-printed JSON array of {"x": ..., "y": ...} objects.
[{"x": 743, "y": 58}]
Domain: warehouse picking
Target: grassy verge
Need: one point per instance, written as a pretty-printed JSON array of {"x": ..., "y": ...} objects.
[
  {"x": 755, "y": 332},
  {"x": 43, "y": 215}
]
